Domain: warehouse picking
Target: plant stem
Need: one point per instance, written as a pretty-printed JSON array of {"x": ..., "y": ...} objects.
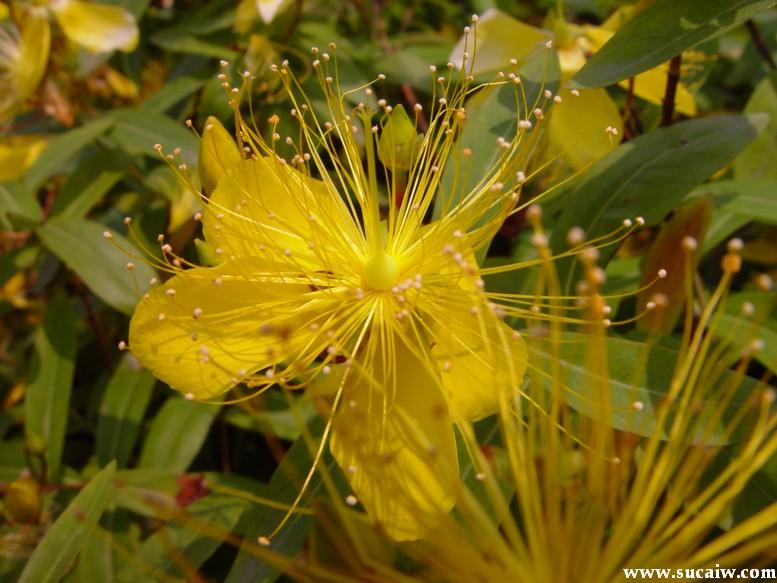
[
  {"x": 760, "y": 44},
  {"x": 672, "y": 80}
]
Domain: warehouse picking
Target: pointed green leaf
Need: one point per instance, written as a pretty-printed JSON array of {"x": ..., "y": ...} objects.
[
  {"x": 636, "y": 372},
  {"x": 493, "y": 114},
  {"x": 17, "y": 201},
  {"x": 62, "y": 149},
  {"x": 66, "y": 537},
  {"x": 101, "y": 264},
  {"x": 191, "y": 546},
  {"x": 121, "y": 411},
  {"x": 177, "y": 434},
  {"x": 663, "y": 30},
  {"x": 262, "y": 520},
  {"x": 138, "y": 131},
  {"x": 641, "y": 178},
  {"x": 48, "y": 395}
]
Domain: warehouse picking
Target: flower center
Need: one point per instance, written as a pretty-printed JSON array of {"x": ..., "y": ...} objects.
[{"x": 381, "y": 272}]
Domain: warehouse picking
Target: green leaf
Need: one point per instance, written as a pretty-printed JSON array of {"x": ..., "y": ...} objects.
[
  {"x": 13, "y": 459},
  {"x": 184, "y": 534},
  {"x": 636, "y": 371},
  {"x": 121, "y": 411},
  {"x": 48, "y": 395},
  {"x": 750, "y": 198},
  {"x": 146, "y": 492},
  {"x": 723, "y": 224},
  {"x": 177, "y": 434},
  {"x": 138, "y": 131},
  {"x": 86, "y": 187},
  {"x": 411, "y": 62},
  {"x": 96, "y": 562},
  {"x": 281, "y": 422},
  {"x": 661, "y": 31},
  {"x": 172, "y": 92},
  {"x": 66, "y": 537},
  {"x": 12, "y": 262},
  {"x": 190, "y": 44},
  {"x": 99, "y": 263},
  {"x": 757, "y": 161},
  {"x": 19, "y": 201},
  {"x": 62, "y": 149},
  {"x": 262, "y": 520},
  {"x": 641, "y": 178},
  {"x": 741, "y": 330},
  {"x": 493, "y": 114}
]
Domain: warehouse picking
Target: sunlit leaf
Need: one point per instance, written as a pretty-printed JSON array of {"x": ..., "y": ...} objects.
[{"x": 101, "y": 265}]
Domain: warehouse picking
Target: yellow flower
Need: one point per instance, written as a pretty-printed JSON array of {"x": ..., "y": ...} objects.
[
  {"x": 23, "y": 57},
  {"x": 96, "y": 27},
  {"x": 18, "y": 153},
  {"x": 381, "y": 312},
  {"x": 574, "y": 130}
]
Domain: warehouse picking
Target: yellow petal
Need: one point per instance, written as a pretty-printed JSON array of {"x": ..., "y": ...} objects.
[
  {"x": 218, "y": 153},
  {"x": 23, "y": 62},
  {"x": 269, "y": 9},
  {"x": 577, "y": 126},
  {"x": 594, "y": 38},
  {"x": 479, "y": 356},
  {"x": 500, "y": 37},
  {"x": 208, "y": 328},
  {"x": 34, "y": 55},
  {"x": 571, "y": 60},
  {"x": 245, "y": 14},
  {"x": 263, "y": 208},
  {"x": 18, "y": 153},
  {"x": 97, "y": 27},
  {"x": 618, "y": 18},
  {"x": 121, "y": 85},
  {"x": 401, "y": 462},
  {"x": 651, "y": 86}
]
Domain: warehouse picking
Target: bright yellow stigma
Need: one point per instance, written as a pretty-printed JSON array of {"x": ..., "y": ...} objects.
[{"x": 381, "y": 272}]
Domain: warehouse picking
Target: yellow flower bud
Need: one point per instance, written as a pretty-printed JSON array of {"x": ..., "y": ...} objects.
[
  {"x": 18, "y": 153},
  {"x": 22, "y": 501},
  {"x": 218, "y": 152},
  {"x": 398, "y": 142}
]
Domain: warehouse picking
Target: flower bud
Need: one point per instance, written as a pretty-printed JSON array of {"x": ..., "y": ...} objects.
[
  {"x": 35, "y": 444},
  {"x": 22, "y": 501},
  {"x": 398, "y": 142},
  {"x": 218, "y": 153}
]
